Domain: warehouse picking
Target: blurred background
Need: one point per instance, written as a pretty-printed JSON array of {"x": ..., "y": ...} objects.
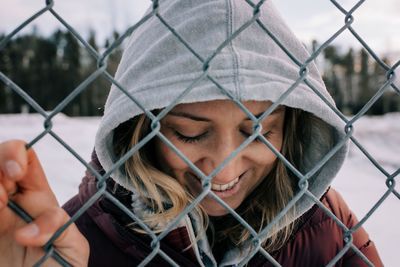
[
  {"x": 350, "y": 73},
  {"x": 48, "y": 63}
]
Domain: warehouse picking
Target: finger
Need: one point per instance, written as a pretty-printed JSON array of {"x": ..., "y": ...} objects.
[
  {"x": 71, "y": 242},
  {"x": 5, "y": 193},
  {"x": 10, "y": 187},
  {"x": 3, "y": 197},
  {"x": 21, "y": 165},
  {"x": 38, "y": 232},
  {"x": 13, "y": 161}
]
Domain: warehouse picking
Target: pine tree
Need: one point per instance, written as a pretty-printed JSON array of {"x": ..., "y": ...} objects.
[
  {"x": 42, "y": 64},
  {"x": 348, "y": 65},
  {"x": 71, "y": 70},
  {"x": 19, "y": 56},
  {"x": 87, "y": 98},
  {"x": 366, "y": 91},
  {"x": 387, "y": 102},
  {"x": 4, "y": 90},
  {"x": 331, "y": 78}
]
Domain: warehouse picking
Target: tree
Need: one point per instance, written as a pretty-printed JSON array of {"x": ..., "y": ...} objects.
[
  {"x": 72, "y": 68},
  {"x": 332, "y": 55},
  {"x": 18, "y": 54},
  {"x": 366, "y": 91},
  {"x": 348, "y": 64},
  {"x": 5, "y": 69},
  {"x": 42, "y": 65},
  {"x": 87, "y": 99},
  {"x": 331, "y": 78},
  {"x": 389, "y": 101}
]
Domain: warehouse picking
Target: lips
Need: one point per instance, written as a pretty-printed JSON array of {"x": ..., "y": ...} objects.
[
  {"x": 224, "y": 187},
  {"x": 220, "y": 187}
]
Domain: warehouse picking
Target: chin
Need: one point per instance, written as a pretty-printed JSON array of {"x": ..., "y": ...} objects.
[
  {"x": 214, "y": 209},
  {"x": 216, "y": 213}
]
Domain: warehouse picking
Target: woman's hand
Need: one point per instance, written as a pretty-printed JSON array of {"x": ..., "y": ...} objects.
[{"x": 22, "y": 180}]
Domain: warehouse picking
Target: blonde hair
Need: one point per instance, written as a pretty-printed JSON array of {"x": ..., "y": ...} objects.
[
  {"x": 167, "y": 198},
  {"x": 153, "y": 186}
]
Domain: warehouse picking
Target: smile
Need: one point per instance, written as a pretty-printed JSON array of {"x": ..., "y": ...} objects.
[{"x": 224, "y": 187}]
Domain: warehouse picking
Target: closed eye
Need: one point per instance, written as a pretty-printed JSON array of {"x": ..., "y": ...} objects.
[
  {"x": 190, "y": 139},
  {"x": 245, "y": 134}
]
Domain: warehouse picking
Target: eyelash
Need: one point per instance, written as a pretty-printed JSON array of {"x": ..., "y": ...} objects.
[
  {"x": 197, "y": 138},
  {"x": 190, "y": 139},
  {"x": 266, "y": 135}
]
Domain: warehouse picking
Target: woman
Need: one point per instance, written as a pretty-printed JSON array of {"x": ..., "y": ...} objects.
[{"x": 191, "y": 92}]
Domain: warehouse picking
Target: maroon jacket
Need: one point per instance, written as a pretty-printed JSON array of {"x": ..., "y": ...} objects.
[{"x": 315, "y": 242}]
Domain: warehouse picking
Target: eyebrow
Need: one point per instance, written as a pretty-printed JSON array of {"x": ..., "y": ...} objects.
[
  {"x": 188, "y": 116},
  {"x": 199, "y": 118},
  {"x": 277, "y": 110}
]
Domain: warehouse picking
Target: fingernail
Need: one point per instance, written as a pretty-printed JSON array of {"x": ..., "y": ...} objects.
[
  {"x": 12, "y": 168},
  {"x": 30, "y": 230}
]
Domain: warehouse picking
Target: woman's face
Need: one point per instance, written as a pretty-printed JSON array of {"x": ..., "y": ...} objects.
[{"x": 207, "y": 133}]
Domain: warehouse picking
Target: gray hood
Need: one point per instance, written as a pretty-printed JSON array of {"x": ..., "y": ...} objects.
[{"x": 156, "y": 68}]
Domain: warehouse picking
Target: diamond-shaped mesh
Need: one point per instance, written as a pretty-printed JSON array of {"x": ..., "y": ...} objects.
[{"x": 256, "y": 237}]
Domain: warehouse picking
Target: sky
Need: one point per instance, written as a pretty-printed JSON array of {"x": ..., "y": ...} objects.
[{"x": 376, "y": 21}]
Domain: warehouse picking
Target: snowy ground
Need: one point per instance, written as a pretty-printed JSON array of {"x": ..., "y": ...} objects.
[{"x": 359, "y": 181}]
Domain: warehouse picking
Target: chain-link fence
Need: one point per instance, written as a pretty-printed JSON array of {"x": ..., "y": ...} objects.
[{"x": 256, "y": 237}]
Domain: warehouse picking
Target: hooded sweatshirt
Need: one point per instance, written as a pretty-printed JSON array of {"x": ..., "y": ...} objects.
[{"x": 263, "y": 60}]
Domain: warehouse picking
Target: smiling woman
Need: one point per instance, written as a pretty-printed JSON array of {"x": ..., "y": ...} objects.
[
  {"x": 207, "y": 133},
  {"x": 196, "y": 218}
]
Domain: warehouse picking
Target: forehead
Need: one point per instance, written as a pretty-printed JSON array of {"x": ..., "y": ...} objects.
[{"x": 222, "y": 107}]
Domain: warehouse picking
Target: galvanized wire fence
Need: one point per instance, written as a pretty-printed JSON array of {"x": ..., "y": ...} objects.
[{"x": 256, "y": 237}]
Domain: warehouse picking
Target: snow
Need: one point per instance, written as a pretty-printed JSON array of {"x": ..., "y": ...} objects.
[{"x": 359, "y": 181}]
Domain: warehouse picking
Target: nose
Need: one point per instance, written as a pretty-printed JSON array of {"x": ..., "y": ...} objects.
[{"x": 217, "y": 155}]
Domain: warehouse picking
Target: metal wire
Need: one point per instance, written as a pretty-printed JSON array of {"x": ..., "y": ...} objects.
[{"x": 256, "y": 237}]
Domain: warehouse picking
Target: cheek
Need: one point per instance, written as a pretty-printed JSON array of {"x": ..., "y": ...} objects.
[
  {"x": 264, "y": 157},
  {"x": 168, "y": 160},
  {"x": 263, "y": 154}
]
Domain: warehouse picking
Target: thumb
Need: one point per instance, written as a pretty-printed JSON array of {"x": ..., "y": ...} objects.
[
  {"x": 21, "y": 166},
  {"x": 71, "y": 244},
  {"x": 42, "y": 228}
]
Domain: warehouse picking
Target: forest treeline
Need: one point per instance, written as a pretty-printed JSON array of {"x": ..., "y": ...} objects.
[
  {"x": 353, "y": 78},
  {"x": 50, "y": 68}
]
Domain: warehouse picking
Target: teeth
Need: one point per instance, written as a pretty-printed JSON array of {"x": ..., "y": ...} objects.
[{"x": 224, "y": 187}]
